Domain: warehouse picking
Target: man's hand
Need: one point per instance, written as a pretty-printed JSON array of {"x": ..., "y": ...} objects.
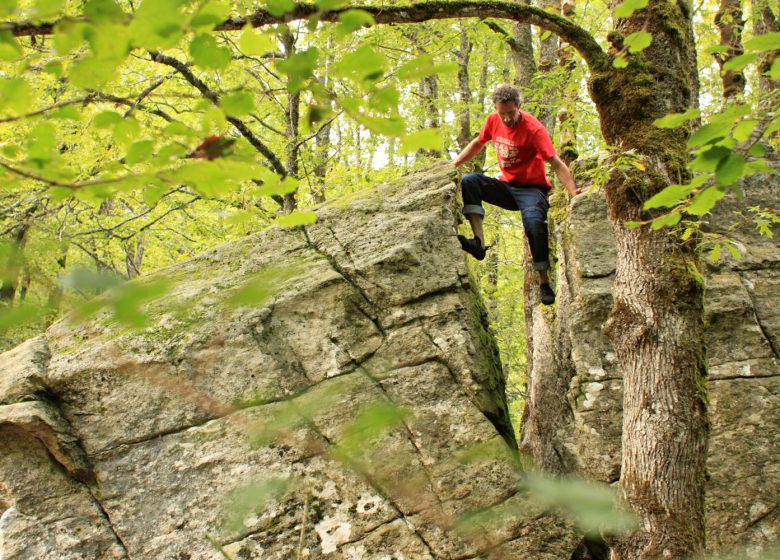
[
  {"x": 564, "y": 175},
  {"x": 474, "y": 147}
]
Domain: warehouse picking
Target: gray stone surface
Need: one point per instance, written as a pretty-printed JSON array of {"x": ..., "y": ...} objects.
[
  {"x": 743, "y": 330},
  {"x": 354, "y": 409}
]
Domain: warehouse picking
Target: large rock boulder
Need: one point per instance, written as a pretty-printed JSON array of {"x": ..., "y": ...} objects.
[
  {"x": 324, "y": 392},
  {"x": 579, "y": 378}
]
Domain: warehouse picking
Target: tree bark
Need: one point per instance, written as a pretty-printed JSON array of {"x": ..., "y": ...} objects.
[
  {"x": 656, "y": 324},
  {"x": 464, "y": 115},
  {"x": 292, "y": 119},
  {"x": 730, "y": 23},
  {"x": 764, "y": 21}
]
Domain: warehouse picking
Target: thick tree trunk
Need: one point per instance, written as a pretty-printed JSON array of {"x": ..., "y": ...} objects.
[
  {"x": 764, "y": 21},
  {"x": 656, "y": 324},
  {"x": 730, "y": 23}
]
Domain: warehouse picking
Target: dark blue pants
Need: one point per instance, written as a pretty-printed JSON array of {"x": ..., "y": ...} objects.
[{"x": 530, "y": 200}]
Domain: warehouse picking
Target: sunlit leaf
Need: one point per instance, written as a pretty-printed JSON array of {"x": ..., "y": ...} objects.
[
  {"x": 352, "y": 20},
  {"x": 275, "y": 187},
  {"x": 253, "y": 43},
  {"x": 48, "y": 8},
  {"x": 744, "y": 129},
  {"x": 545, "y": 35},
  {"x": 667, "y": 220},
  {"x": 717, "y": 49},
  {"x": 278, "y": 8},
  {"x": 639, "y": 41},
  {"x": 139, "y": 152},
  {"x": 42, "y": 143},
  {"x": 93, "y": 73},
  {"x": 7, "y": 7},
  {"x": 419, "y": 67},
  {"x": 628, "y": 7},
  {"x": 296, "y": 219},
  {"x": 428, "y": 139},
  {"x": 9, "y": 47},
  {"x": 211, "y": 14},
  {"x": 237, "y": 104},
  {"x": 326, "y": 5},
  {"x": 714, "y": 254},
  {"x": 673, "y": 120},
  {"x": 260, "y": 287},
  {"x": 708, "y": 159},
  {"x": 730, "y": 169},
  {"x": 15, "y": 95},
  {"x": 158, "y": 24},
  {"x": 207, "y": 53},
  {"x": 705, "y": 200},
  {"x": 739, "y": 62},
  {"x": 68, "y": 35},
  {"x": 766, "y": 42},
  {"x": 299, "y": 68},
  {"x": 101, "y": 11},
  {"x": 362, "y": 64},
  {"x": 774, "y": 71},
  {"x": 670, "y": 196},
  {"x": 19, "y": 315},
  {"x": 709, "y": 133},
  {"x": 620, "y": 62},
  {"x": 252, "y": 498}
]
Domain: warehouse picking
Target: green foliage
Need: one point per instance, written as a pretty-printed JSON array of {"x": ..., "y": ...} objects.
[
  {"x": 628, "y": 7},
  {"x": 639, "y": 41}
]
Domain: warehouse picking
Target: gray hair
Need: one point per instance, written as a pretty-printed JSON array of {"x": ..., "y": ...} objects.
[{"x": 506, "y": 94}]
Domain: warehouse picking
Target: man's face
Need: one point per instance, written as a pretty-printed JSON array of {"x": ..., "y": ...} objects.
[{"x": 509, "y": 112}]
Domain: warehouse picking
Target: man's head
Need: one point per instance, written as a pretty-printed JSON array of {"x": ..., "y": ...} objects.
[{"x": 506, "y": 99}]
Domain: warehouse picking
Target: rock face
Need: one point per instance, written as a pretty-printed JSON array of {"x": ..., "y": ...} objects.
[
  {"x": 327, "y": 392},
  {"x": 574, "y": 371}
]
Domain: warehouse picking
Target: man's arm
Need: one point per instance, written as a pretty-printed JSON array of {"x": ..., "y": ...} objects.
[
  {"x": 474, "y": 147},
  {"x": 564, "y": 175}
]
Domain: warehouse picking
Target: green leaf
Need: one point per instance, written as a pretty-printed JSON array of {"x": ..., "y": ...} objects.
[
  {"x": 68, "y": 35},
  {"x": 278, "y": 8},
  {"x": 299, "y": 68},
  {"x": 766, "y": 42},
  {"x": 416, "y": 68},
  {"x": 744, "y": 129},
  {"x": 326, "y": 5},
  {"x": 7, "y": 7},
  {"x": 48, "y": 8},
  {"x": 670, "y": 196},
  {"x": 709, "y": 159},
  {"x": 158, "y": 24},
  {"x": 274, "y": 187},
  {"x": 673, "y": 120},
  {"x": 139, "y": 152},
  {"x": 774, "y": 71},
  {"x": 106, "y": 119},
  {"x": 704, "y": 201},
  {"x": 428, "y": 139},
  {"x": 362, "y": 64},
  {"x": 152, "y": 194},
  {"x": 20, "y": 315},
  {"x": 390, "y": 126},
  {"x": 739, "y": 62},
  {"x": 208, "y": 54},
  {"x": 620, "y": 62},
  {"x": 352, "y": 20},
  {"x": 126, "y": 130},
  {"x": 296, "y": 219},
  {"x": 667, "y": 220},
  {"x": 544, "y": 36},
  {"x": 93, "y": 73},
  {"x": 42, "y": 143},
  {"x": 254, "y": 497},
  {"x": 734, "y": 251},
  {"x": 69, "y": 113},
  {"x": 384, "y": 99},
  {"x": 263, "y": 285},
  {"x": 10, "y": 49},
  {"x": 714, "y": 255},
  {"x": 252, "y": 43},
  {"x": 717, "y": 49},
  {"x": 730, "y": 170},
  {"x": 128, "y": 300},
  {"x": 15, "y": 95},
  {"x": 638, "y": 41},
  {"x": 628, "y": 7},
  {"x": 709, "y": 133},
  {"x": 211, "y": 14},
  {"x": 102, "y": 11},
  {"x": 757, "y": 150},
  {"x": 237, "y": 104}
]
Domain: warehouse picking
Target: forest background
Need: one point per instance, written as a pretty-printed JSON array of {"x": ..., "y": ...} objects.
[{"x": 133, "y": 142}]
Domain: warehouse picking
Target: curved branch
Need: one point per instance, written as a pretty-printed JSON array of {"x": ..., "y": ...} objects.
[
  {"x": 214, "y": 98},
  {"x": 418, "y": 12}
]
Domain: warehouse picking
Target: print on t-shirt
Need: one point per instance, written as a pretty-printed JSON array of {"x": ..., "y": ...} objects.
[{"x": 507, "y": 151}]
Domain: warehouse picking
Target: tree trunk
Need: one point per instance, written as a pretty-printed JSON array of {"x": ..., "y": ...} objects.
[
  {"x": 292, "y": 118},
  {"x": 523, "y": 55},
  {"x": 729, "y": 21},
  {"x": 464, "y": 116},
  {"x": 764, "y": 21},
  {"x": 656, "y": 324}
]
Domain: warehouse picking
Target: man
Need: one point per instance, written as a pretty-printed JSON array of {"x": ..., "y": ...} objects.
[{"x": 523, "y": 146}]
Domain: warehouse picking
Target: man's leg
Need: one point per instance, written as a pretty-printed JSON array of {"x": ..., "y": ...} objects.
[
  {"x": 533, "y": 206},
  {"x": 477, "y": 188}
]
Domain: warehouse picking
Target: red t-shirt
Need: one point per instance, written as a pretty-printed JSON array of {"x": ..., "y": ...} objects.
[{"x": 522, "y": 149}]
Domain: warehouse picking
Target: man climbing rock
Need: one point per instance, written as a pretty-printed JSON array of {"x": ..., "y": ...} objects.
[{"x": 523, "y": 146}]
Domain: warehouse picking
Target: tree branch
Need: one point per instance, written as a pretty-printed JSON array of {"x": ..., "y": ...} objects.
[
  {"x": 418, "y": 12},
  {"x": 214, "y": 98}
]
